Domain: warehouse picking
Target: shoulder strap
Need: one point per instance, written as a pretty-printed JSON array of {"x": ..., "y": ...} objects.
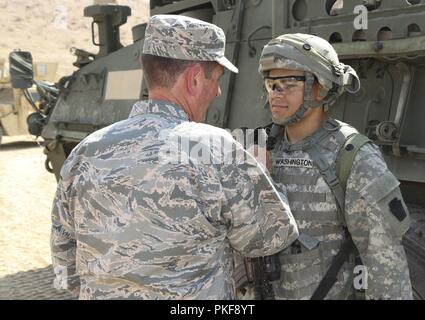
[
  {"x": 344, "y": 161},
  {"x": 329, "y": 174},
  {"x": 345, "y": 158}
]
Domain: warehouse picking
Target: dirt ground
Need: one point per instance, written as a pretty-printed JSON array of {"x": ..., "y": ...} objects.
[
  {"x": 26, "y": 194},
  {"x": 49, "y": 29}
]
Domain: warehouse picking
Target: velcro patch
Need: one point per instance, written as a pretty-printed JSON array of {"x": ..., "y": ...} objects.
[
  {"x": 397, "y": 209},
  {"x": 293, "y": 162}
]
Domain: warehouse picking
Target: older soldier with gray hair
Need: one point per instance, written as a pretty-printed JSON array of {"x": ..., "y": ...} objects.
[{"x": 138, "y": 214}]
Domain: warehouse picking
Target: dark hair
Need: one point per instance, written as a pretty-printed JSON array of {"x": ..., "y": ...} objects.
[{"x": 163, "y": 72}]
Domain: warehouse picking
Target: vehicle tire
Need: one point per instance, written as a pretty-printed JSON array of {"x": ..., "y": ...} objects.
[{"x": 414, "y": 245}]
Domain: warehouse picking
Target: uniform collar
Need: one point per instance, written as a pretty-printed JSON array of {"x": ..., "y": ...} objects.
[
  {"x": 164, "y": 108},
  {"x": 329, "y": 126}
]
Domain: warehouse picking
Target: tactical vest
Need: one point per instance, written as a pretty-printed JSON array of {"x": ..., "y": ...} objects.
[{"x": 308, "y": 171}]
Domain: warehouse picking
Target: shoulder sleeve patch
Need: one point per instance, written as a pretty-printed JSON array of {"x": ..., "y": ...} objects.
[{"x": 397, "y": 209}]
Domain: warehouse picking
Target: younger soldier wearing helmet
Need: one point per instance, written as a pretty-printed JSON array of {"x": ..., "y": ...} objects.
[{"x": 303, "y": 77}]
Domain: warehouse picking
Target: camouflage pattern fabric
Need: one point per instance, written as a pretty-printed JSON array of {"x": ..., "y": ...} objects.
[
  {"x": 128, "y": 222},
  {"x": 375, "y": 215},
  {"x": 180, "y": 37}
]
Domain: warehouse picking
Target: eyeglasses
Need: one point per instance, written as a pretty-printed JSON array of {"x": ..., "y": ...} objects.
[{"x": 282, "y": 84}]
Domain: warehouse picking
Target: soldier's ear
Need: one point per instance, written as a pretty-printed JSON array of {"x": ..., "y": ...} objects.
[{"x": 193, "y": 78}]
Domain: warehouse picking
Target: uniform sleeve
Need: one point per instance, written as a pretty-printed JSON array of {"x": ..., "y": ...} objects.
[
  {"x": 261, "y": 220},
  {"x": 377, "y": 218},
  {"x": 62, "y": 241}
]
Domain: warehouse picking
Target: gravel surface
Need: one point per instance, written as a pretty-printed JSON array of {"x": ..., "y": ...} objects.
[{"x": 26, "y": 195}]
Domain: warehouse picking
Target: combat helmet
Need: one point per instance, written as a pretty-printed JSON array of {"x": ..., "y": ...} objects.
[{"x": 318, "y": 59}]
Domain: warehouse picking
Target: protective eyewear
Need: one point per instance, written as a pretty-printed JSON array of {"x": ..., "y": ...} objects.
[{"x": 282, "y": 84}]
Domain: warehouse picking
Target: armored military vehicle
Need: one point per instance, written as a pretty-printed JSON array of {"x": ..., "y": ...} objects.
[
  {"x": 386, "y": 46},
  {"x": 15, "y": 106}
]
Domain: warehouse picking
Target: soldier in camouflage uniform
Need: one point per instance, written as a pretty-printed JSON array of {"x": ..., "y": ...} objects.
[
  {"x": 303, "y": 77},
  {"x": 138, "y": 213}
]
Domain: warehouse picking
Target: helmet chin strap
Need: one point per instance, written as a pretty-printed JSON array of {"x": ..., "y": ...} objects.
[{"x": 308, "y": 102}]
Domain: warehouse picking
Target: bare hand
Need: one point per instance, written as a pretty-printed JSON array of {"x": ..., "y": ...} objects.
[{"x": 262, "y": 156}]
